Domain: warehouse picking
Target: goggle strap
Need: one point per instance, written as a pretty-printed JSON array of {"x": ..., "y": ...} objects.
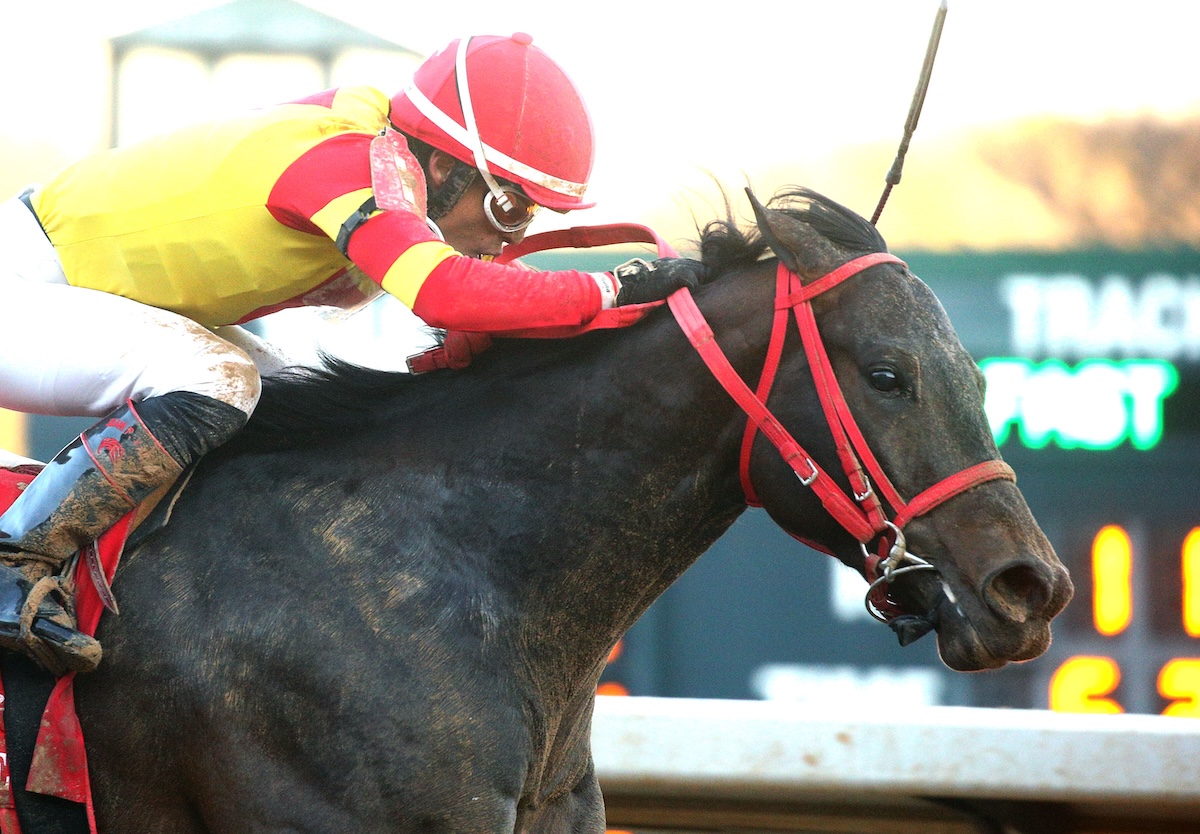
[
  {"x": 456, "y": 132},
  {"x": 468, "y": 110}
]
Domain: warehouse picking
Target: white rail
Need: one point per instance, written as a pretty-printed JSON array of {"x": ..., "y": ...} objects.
[{"x": 705, "y": 764}]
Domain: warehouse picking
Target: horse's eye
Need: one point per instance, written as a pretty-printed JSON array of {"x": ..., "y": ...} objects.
[{"x": 885, "y": 379}]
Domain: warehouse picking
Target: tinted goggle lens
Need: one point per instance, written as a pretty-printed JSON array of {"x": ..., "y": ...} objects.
[{"x": 510, "y": 215}]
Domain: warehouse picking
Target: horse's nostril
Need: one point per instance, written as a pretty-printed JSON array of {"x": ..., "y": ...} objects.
[{"x": 1019, "y": 592}]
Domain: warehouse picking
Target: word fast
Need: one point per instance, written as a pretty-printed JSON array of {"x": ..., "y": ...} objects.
[{"x": 1098, "y": 404}]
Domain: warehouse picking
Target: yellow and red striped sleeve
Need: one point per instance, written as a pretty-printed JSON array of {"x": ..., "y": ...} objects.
[
  {"x": 450, "y": 290},
  {"x": 398, "y": 250}
]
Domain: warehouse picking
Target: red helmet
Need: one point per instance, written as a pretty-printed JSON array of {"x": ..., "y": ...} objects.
[{"x": 524, "y": 121}]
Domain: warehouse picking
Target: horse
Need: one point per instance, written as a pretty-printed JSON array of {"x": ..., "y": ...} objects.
[{"x": 385, "y": 606}]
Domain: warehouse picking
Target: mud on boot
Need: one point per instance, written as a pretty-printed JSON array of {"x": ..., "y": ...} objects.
[
  {"x": 105, "y": 473},
  {"x": 37, "y": 618}
]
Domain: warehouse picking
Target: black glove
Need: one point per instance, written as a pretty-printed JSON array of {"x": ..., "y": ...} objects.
[{"x": 643, "y": 281}]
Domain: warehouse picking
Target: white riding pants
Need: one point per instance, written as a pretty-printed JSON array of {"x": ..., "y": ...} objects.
[{"x": 74, "y": 352}]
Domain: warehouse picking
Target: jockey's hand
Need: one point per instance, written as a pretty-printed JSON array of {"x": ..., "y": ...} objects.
[{"x": 641, "y": 281}]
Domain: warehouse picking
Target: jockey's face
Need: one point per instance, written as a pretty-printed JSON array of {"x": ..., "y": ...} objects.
[{"x": 465, "y": 226}]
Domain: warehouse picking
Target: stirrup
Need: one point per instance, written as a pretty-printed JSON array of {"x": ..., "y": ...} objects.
[{"x": 42, "y": 625}]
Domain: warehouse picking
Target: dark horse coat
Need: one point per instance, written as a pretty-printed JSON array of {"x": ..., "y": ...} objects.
[{"x": 386, "y": 605}]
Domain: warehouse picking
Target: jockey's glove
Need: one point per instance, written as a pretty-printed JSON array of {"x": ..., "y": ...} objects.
[{"x": 639, "y": 281}]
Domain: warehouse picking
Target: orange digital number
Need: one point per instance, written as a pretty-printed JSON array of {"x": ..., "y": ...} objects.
[
  {"x": 1190, "y": 564},
  {"x": 1081, "y": 683},
  {"x": 613, "y": 687},
  {"x": 1084, "y": 683},
  {"x": 1112, "y": 578},
  {"x": 1179, "y": 682}
]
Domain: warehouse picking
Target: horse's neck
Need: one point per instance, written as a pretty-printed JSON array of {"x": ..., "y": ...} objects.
[{"x": 637, "y": 476}]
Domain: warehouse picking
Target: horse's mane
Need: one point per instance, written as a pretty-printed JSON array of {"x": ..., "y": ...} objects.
[
  {"x": 723, "y": 244},
  {"x": 841, "y": 226},
  {"x": 340, "y": 397}
]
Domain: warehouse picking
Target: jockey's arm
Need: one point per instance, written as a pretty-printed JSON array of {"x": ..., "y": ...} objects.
[
  {"x": 398, "y": 250},
  {"x": 456, "y": 292}
]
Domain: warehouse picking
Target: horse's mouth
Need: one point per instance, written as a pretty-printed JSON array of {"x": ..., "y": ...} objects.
[{"x": 967, "y": 642}]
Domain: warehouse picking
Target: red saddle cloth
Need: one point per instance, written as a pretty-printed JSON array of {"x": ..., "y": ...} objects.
[{"x": 59, "y": 766}]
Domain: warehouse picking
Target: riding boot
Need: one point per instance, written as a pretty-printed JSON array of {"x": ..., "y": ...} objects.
[{"x": 89, "y": 486}]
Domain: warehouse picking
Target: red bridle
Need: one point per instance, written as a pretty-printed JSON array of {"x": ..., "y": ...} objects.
[{"x": 861, "y": 514}]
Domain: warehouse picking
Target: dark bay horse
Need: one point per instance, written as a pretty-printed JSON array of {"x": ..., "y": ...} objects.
[{"x": 386, "y": 605}]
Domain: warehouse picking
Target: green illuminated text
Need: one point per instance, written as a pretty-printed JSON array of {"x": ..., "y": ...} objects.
[{"x": 1096, "y": 404}]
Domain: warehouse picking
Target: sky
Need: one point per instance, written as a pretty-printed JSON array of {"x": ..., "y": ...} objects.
[
  {"x": 680, "y": 93},
  {"x": 683, "y": 96}
]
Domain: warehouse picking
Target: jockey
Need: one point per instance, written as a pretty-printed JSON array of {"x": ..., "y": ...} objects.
[{"x": 125, "y": 276}]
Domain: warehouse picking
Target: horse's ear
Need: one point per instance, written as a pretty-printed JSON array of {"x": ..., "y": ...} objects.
[{"x": 792, "y": 241}]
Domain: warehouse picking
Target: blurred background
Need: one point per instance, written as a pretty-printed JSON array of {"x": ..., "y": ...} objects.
[
  {"x": 1049, "y": 197},
  {"x": 1048, "y": 124}
]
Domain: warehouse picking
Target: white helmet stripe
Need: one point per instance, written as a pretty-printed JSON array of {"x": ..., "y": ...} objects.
[
  {"x": 460, "y": 134},
  {"x": 468, "y": 111}
]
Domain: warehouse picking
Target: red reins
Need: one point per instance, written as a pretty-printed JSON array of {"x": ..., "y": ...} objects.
[{"x": 861, "y": 513}]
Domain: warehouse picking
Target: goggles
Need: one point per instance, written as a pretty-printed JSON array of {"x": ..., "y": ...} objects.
[{"x": 509, "y": 209}]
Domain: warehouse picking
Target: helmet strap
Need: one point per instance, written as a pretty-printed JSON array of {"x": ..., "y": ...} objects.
[
  {"x": 469, "y": 138},
  {"x": 476, "y": 146}
]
